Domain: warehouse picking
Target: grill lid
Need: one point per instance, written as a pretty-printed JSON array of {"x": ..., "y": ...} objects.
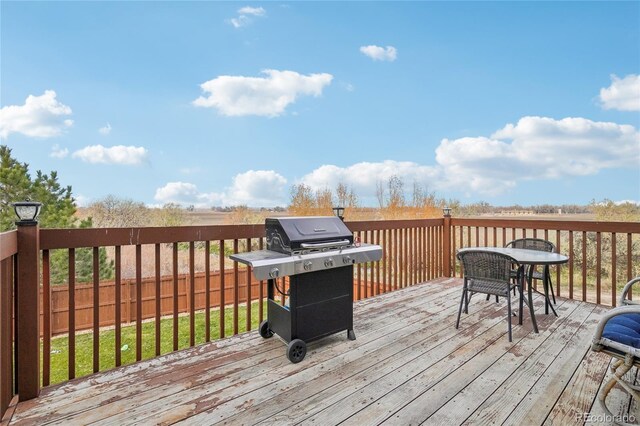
[{"x": 294, "y": 234}]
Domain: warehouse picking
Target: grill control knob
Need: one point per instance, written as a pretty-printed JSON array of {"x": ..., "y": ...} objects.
[
  {"x": 346, "y": 260},
  {"x": 274, "y": 273},
  {"x": 328, "y": 263},
  {"x": 308, "y": 265}
]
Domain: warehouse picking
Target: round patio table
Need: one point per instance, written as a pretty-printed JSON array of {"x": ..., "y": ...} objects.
[{"x": 531, "y": 258}]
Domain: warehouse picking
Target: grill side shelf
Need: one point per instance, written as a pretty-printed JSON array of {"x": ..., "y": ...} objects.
[{"x": 268, "y": 264}]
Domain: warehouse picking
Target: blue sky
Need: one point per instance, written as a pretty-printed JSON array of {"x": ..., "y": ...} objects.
[{"x": 234, "y": 102}]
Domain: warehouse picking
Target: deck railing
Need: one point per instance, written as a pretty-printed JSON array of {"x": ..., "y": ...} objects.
[
  {"x": 603, "y": 256},
  {"x": 8, "y": 262},
  {"x": 167, "y": 283}
]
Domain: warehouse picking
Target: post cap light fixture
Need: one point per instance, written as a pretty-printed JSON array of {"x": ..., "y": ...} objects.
[
  {"x": 446, "y": 211},
  {"x": 339, "y": 211},
  {"x": 27, "y": 212}
]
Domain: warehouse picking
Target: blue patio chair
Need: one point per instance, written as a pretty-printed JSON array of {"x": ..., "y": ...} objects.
[
  {"x": 487, "y": 273},
  {"x": 618, "y": 335}
]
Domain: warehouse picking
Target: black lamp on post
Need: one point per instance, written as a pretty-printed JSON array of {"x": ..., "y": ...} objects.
[
  {"x": 446, "y": 211},
  {"x": 27, "y": 212},
  {"x": 339, "y": 211}
]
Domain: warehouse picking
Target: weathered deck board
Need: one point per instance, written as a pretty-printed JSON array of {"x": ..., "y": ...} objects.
[{"x": 408, "y": 365}]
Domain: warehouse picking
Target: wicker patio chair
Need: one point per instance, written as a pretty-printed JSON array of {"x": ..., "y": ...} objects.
[
  {"x": 487, "y": 273},
  {"x": 618, "y": 335},
  {"x": 544, "y": 276}
]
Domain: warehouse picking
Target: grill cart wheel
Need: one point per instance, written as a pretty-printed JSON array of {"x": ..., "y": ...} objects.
[
  {"x": 296, "y": 350},
  {"x": 265, "y": 331}
]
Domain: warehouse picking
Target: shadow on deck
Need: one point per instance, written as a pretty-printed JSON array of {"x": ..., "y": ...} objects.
[{"x": 408, "y": 365}]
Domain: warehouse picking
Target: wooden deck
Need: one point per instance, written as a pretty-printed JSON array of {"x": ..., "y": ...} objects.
[{"x": 409, "y": 365}]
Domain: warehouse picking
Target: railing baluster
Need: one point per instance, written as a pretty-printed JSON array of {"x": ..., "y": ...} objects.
[
  {"x": 46, "y": 320},
  {"x": 416, "y": 253},
  {"x": 440, "y": 251},
  {"x": 629, "y": 270},
  {"x": 403, "y": 257},
  {"x": 222, "y": 274},
  {"x": 138, "y": 302},
  {"x": 207, "y": 291},
  {"x": 72, "y": 313},
  {"x": 175, "y": 296},
  {"x": 378, "y": 264},
  {"x": 359, "y": 273},
  {"x": 584, "y": 266},
  {"x": 570, "y": 264},
  {"x": 118, "y": 308},
  {"x": 614, "y": 278},
  {"x": 429, "y": 252},
  {"x": 396, "y": 258},
  {"x": 558, "y": 276},
  {"x": 453, "y": 251},
  {"x": 260, "y": 307},
  {"x": 192, "y": 294},
  {"x": 235, "y": 289},
  {"x": 365, "y": 266},
  {"x": 96, "y": 310},
  {"x": 158, "y": 298},
  {"x": 598, "y": 266},
  {"x": 248, "y": 322}
]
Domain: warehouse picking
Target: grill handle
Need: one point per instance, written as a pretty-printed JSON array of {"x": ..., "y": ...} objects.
[{"x": 325, "y": 245}]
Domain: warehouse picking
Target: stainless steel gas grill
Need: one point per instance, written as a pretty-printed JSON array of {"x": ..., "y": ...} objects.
[{"x": 317, "y": 254}]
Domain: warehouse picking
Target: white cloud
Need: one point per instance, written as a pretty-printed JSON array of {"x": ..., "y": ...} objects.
[
  {"x": 263, "y": 96},
  {"x": 41, "y": 117},
  {"x": 378, "y": 53},
  {"x": 363, "y": 177},
  {"x": 623, "y": 94},
  {"x": 57, "y": 152},
  {"x": 118, "y": 154},
  {"x": 105, "y": 130},
  {"x": 240, "y": 21},
  {"x": 255, "y": 11},
  {"x": 255, "y": 188},
  {"x": 182, "y": 193},
  {"x": 245, "y": 15},
  {"x": 532, "y": 149},
  {"x": 536, "y": 148}
]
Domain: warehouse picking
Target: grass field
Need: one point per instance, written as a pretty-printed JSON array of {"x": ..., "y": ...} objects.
[{"x": 84, "y": 341}]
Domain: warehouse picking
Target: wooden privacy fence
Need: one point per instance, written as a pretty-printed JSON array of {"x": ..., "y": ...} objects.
[{"x": 84, "y": 299}]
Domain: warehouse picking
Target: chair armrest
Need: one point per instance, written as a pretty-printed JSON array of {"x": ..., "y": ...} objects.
[{"x": 625, "y": 290}]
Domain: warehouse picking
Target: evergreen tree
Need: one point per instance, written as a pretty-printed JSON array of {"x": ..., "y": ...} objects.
[{"x": 58, "y": 209}]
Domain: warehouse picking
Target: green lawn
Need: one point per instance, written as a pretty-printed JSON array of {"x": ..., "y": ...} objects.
[{"x": 84, "y": 342}]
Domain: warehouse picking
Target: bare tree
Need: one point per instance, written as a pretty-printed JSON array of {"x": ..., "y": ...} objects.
[
  {"x": 115, "y": 212},
  {"x": 302, "y": 200},
  {"x": 380, "y": 193}
]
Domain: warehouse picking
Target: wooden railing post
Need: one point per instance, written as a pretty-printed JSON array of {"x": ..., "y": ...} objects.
[
  {"x": 28, "y": 311},
  {"x": 446, "y": 243}
]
